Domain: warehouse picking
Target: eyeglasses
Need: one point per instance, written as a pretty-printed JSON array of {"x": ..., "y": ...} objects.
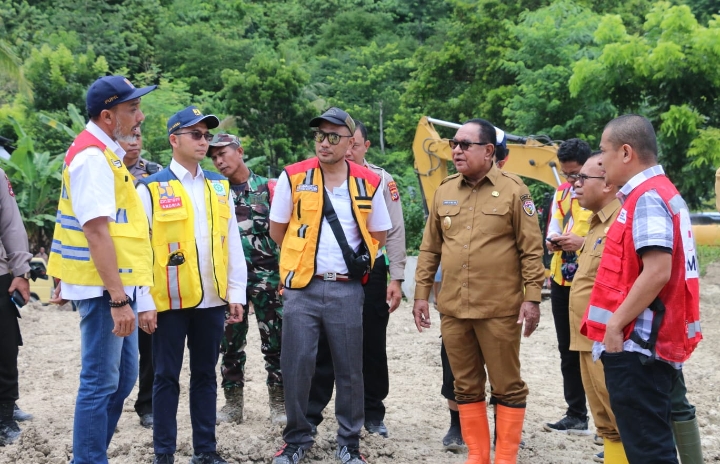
[
  {"x": 572, "y": 178},
  {"x": 464, "y": 144},
  {"x": 197, "y": 135},
  {"x": 332, "y": 137},
  {"x": 581, "y": 178}
]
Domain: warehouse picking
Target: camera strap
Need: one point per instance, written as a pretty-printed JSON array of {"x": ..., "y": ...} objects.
[{"x": 331, "y": 216}]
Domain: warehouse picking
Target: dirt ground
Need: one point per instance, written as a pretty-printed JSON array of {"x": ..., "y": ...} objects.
[{"x": 417, "y": 416}]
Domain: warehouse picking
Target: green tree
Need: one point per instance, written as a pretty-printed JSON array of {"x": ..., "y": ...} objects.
[
  {"x": 551, "y": 40},
  {"x": 650, "y": 73},
  {"x": 36, "y": 181},
  {"x": 268, "y": 100}
]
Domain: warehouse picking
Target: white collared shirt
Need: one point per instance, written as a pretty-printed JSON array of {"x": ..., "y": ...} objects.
[
  {"x": 237, "y": 270},
  {"x": 92, "y": 189},
  {"x": 329, "y": 256}
]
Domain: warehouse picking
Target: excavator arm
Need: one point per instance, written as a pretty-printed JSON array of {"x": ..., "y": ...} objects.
[{"x": 530, "y": 157}]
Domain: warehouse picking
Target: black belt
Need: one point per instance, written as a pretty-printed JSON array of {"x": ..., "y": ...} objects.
[{"x": 334, "y": 277}]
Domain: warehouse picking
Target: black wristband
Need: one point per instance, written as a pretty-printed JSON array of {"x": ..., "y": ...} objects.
[{"x": 121, "y": 303}]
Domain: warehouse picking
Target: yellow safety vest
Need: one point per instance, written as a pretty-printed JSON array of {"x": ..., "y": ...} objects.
[
  {"x": 573, "y": 218},
  {"x": 299, "y": 247},
  {"x": 173, "y": 231},
  {"x": 70, "y": 258}
]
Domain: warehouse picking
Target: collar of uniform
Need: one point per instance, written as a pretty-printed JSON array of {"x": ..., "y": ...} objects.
[
  {"x": 180, "y": 172},
  {"x": 606, "y": 212},
  {"x": 95, "y": 130},
  {"x": 491, "y": 176},
  {"x": 638, "y": 179},
  {"x": 245, "y": 184}
]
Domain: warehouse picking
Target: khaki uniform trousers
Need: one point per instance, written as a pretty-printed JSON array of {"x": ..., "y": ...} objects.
[
  {"x": 593, "y": 379},
  {"x": 473, "y": 344}
]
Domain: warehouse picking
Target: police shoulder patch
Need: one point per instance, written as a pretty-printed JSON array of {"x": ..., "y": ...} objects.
[{"x": 394, "y": 193}]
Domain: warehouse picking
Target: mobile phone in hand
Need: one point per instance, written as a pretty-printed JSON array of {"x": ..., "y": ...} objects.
[{"x": 18, "y": 299}]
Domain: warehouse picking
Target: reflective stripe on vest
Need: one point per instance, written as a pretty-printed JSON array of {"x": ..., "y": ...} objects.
[{"x": 70, "y": 259}]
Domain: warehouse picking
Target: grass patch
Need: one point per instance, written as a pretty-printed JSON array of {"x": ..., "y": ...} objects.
[{"x": 706, "y": 255}]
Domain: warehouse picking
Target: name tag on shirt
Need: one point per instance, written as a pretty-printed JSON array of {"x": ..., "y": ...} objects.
[{"x": 306, "y": 188}]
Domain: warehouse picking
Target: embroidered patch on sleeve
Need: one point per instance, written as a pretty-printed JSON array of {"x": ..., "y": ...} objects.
[
  {"x": 394, "y": 193},
  {"x": 527, "y": 204}
]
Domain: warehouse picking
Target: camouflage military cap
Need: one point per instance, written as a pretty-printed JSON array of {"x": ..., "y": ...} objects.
[{"x": 223, "y": 140}]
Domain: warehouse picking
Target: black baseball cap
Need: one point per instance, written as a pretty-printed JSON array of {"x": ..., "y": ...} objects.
[
  {"x": 109, "y": 91},
  {"x": 335, "y": 116},
  {"x": 189, "y": 117}
]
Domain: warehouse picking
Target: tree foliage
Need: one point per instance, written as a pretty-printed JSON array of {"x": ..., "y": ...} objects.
[{"x": 562, "y": 68}]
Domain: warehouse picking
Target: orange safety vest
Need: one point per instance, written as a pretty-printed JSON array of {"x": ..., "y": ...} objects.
[
  {"x": 679, "y": 333},
  {"x": 299, "y": 247}
]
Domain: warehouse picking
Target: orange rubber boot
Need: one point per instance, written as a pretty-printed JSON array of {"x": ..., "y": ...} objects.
[
  {"x": 509, "y": 425},
  {"x": 475, "y": 432}
]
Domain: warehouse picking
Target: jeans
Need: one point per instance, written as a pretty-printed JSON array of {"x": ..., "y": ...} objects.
[
  {"x": 107, "y": 376},
  {"x": 640, "y": 399}
]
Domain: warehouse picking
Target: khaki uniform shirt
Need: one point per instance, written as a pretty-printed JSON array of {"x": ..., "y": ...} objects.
[
  {"x": 488, "y": 239},
  {"x": 395, "y": 242},
  {"x": 14, "y": 250},
  {"x": 143, "y": 168},
  {"x": 588, "y": 263}
]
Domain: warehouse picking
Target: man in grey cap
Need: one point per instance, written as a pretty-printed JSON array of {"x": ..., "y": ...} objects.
[
  {"x": 14, "y": 274},
  {"x": 200, "y": 273},
  {"x": 381, "y": 299},
  {"x": 330, "y": 224},
  {"x": 101, "y": 252},
  {"x": 251, "y": 196}
]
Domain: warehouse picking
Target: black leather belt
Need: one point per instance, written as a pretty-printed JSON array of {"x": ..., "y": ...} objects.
[{"x": 334, "y": 277}]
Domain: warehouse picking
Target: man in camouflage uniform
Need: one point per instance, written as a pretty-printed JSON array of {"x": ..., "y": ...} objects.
[
  {"x": 252, "y": 196},
  {"x": 139, "y": 168}
]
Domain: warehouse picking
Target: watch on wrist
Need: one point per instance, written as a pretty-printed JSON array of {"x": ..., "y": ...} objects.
[{"x": 26, "y": 276}]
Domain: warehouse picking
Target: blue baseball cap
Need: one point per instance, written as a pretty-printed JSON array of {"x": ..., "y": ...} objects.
[
  {"x": 109, "y": 91},
  {"x": 189, "y": 117}
]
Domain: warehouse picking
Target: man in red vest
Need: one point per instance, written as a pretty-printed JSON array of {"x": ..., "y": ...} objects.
[{"x": 644, "y": 310}]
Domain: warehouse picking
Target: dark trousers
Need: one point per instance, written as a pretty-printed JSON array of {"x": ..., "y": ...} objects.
[
  {"x": 9, "y": 341},
  {"x": 375, "y": 366},
  {"x": 143, "y": 404},
  {"x": 448, "y": 384},
  {"x": 682, "y": 410},
  {"x": 640, "y": 398},
  {"x": 203, "y": 329},
  {"x": 569, "y": 360}
]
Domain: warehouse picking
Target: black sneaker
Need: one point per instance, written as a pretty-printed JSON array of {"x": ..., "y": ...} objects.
[
  {"x": 289, "y": 454},
  {"x": 453, "y": 440},
  {"x": 349, "y": 455},
  {"x": 207, "y": 458},
  {"x": 164, "y": 459},
  {"x": 377, "y": 427},
  {"x": 313, "y": 429},
  {"x": 569, "y": 425},
  {"x": 146, "y": 420}
]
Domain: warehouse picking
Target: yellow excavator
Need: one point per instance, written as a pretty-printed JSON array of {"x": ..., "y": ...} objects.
[{"x": 534, "y": 157}]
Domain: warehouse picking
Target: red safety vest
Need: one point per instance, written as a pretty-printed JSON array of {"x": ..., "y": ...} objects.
[{"x": 620, "y": 266}]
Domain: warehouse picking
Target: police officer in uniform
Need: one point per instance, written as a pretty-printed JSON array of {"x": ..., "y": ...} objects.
[
  {"x": 381, "y": 299},
  {"x": 252, "y": 196},
  {"x": 483, "y": 226},
  {"x": 14, "y": 273},
  {"x": 141, "y": 168}
]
